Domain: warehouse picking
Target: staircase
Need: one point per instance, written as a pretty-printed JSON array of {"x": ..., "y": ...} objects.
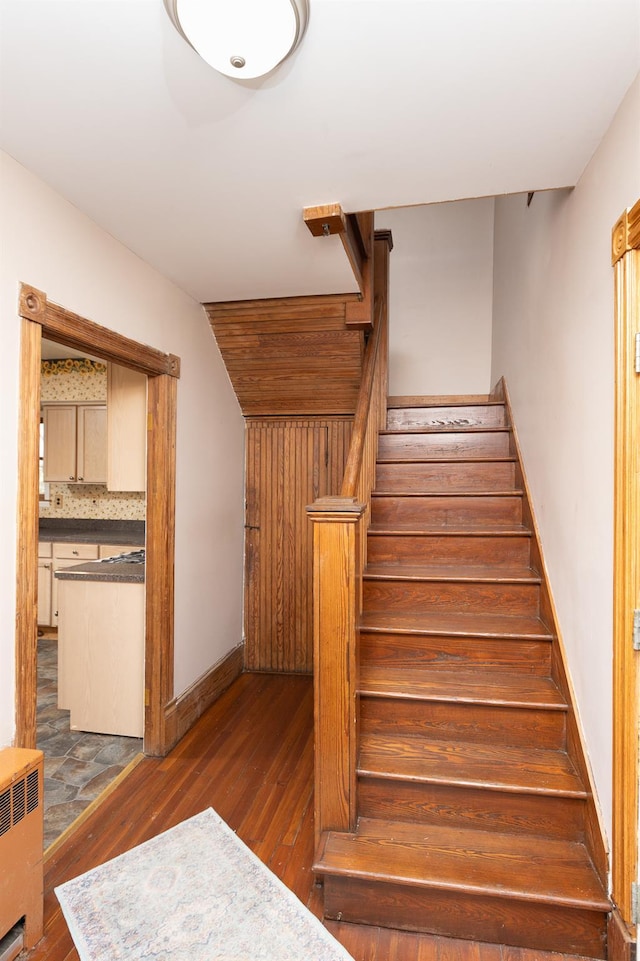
[{"x": 473, "y": 808}]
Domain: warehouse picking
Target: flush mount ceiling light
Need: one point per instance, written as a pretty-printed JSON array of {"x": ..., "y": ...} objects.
[{"x": 241, "y": 38}]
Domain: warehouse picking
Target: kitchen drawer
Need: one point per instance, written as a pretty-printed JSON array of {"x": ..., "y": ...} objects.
[
  {"x": 78, "y": 552},
  {"x": 45, "y": 548}
]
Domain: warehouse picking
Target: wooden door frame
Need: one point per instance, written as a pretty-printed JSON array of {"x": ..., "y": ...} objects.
[
  {"x": 626, "y": 664},
  {"x": 40, "y": 318}
]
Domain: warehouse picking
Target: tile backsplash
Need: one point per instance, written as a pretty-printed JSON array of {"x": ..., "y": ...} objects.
[{"x": 84, "y": 380}]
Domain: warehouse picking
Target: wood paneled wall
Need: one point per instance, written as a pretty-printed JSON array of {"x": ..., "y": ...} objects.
[
  {"x": 289, "y": 464},
  {"x": 291, "y": 355}
]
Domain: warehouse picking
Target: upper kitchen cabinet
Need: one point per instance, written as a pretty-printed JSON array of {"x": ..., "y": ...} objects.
[
  {"x": 75, "y": 443},
  {"x": 126, "y": 429}
]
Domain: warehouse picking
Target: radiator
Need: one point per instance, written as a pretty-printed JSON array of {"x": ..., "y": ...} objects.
[{"x": 21, "y": 828}]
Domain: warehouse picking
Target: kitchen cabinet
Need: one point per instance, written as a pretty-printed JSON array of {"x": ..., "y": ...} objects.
[
  {"x": 44, "y": 583},
  {"x": 75, "y": 443},
  {"x": 102, "y": 655},
  {"x": 126, "y": 429},
  {"x": 67, "y": 555}
]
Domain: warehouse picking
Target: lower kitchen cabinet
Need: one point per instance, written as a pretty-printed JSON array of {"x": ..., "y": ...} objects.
[
  {"x": 101, "y": 655},
  {"x": 45, "y": 565},
  {"x": 67, "y": 555}
]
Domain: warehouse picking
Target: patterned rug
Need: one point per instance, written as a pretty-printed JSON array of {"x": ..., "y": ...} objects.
[{"x": 194, "y": 893}]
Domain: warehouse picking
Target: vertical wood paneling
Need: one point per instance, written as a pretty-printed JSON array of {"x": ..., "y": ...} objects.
[{"x": 289, "y": 463}]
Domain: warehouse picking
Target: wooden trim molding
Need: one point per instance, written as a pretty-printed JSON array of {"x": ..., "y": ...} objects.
[
  {"x": 576, "y": 745},
  {"x": 625, "y": 235},
  {"x": 42, "y": 318},
  {"x": 160, "y": 553},
  {"x": 27, "y": 536},
  {"x": 70, "y": 329},
  {"x": 621, "y": 945},
  {"x": 626, "y": 577},
  {"x": 182, "y": 712}
]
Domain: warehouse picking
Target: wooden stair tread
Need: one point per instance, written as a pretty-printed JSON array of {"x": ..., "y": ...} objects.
[
  {"x": 458, "y": 572},
  {"x": 463, "y": 625},
  {"x": 449, "y": 459},
  {"x": 511, "y": 492},
  {"x": 443, "y": 400},
  {"x": 484, "y": 529},
  {"x": 447, "y": 429},
  {"x": 476, "y": 686},
  {"x": 459, "y": 763},
  {"x": 486, "y": 863}
]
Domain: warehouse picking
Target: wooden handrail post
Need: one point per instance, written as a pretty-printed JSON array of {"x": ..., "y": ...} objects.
[{"x": 337, "y": 593}]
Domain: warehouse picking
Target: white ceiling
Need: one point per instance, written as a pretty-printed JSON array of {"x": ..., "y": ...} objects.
[{"x": 385, "y": 103}]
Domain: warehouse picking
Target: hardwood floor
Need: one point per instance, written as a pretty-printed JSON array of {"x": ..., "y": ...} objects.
[{"x": 251, "y": 758}]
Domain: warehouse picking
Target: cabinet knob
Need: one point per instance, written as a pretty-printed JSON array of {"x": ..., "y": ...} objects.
[
  {"x": 81, "y": 478},
  {"x": 71, "y": 477},
  {"x": 47, "y": 567},
  {"x": 75, "y": 553}
]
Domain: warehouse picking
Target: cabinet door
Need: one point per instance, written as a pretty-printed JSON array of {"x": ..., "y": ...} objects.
[
  {"x": 286, "y": 470},
  {"x": 60, "y": 443},
  {"x": 127, "y": 429},
  {"x": 68, "y": 555},
  {"x": 92, "y": 445},
  {"x": 44, "y": 591}
]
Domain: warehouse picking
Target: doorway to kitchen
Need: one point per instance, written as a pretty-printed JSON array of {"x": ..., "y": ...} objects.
[
  {"x": 92, "y": 491},
  {"x": 40, "y": 318}
]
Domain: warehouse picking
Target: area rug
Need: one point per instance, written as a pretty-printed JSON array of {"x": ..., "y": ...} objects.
[{"x": 194, "y": 893}]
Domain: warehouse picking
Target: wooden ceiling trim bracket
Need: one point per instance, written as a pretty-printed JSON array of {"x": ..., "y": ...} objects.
[
  {"x": 356, "y": 233},
  {"x": 70, "y": 329}
]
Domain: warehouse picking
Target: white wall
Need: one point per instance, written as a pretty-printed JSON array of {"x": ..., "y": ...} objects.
[
  {"x": 440, "y": 297},
  {"x": 553, "y": 340},
  {"x": 49, "y": 244}
]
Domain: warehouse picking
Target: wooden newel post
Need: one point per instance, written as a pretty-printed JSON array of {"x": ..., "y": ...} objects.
[{"x": 337, "y": 593}]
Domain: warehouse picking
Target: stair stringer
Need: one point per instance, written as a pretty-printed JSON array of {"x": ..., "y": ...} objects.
[{"x": 576, "y": 742}]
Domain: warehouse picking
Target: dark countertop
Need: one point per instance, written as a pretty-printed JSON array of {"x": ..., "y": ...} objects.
[
  {"x": 96, "y": 571},
  {"x": 72, "y": 531}
]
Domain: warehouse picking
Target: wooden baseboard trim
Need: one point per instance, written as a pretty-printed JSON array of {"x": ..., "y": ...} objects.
[
  {"x": 183, "y": 711},
  {"x": 621, "y": 945}
]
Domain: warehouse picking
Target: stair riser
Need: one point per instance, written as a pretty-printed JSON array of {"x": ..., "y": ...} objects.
[
  {"x": 498, "y": 552},
  {"x": 474, "y": 415},
  {"x": 461, "y": 807},
  {"x": 453, "y": 512},
  {"x": 461, "y": 915},
  {"x": 445, "y": 477},
  {"x": 452, "y": 445},
  {"x": 407, "y": 650},
  {"x": 477, "y": 723},
  {"x": 425, "y": 596}
]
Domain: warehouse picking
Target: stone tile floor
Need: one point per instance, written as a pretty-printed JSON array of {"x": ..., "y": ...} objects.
[{"x": 77, "y": 765}]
